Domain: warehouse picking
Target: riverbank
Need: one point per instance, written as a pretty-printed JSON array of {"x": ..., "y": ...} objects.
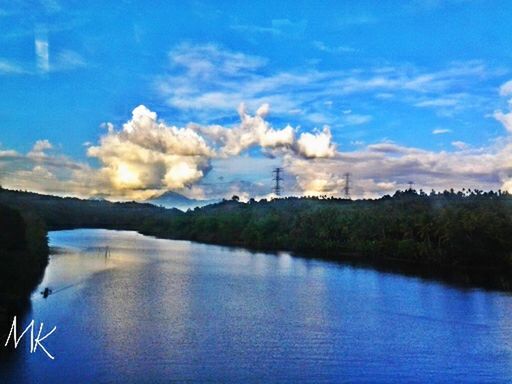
[
  {"x": 464, "y": 277},
  {"x": 466, "y": 236},
  {"x": 462, "y": 238},
  {"x": 199, "y": 313},
  {"x": 23, "y": 259}
]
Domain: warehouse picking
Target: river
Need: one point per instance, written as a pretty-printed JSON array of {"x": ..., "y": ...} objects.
[{"x": 160, "y": 311}]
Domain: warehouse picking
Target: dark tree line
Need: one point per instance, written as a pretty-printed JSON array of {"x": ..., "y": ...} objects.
[
  {"x": 23, "y": 258},
  {"x": 466, "y": 229},
  {"x": 69, "y": 212},
  {"x": 23, "y": 251},
  {"x": 24, "y": 220}
]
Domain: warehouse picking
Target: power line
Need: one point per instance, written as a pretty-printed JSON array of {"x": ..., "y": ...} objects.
[
  {"x": 277, "y": 178},
  {"x": 346, "y": 188}
]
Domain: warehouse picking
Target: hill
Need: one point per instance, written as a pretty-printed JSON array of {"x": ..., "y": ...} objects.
[
  {"x": 172, "y": 199},
  {"x": 67, "y": 212},
  {"x": 466, "y": 234}
]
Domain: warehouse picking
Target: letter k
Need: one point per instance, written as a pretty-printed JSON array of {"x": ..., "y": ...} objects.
[{"x": 38, "y": 340}]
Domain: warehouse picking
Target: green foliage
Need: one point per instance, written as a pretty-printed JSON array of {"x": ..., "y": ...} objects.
[
  {"x": 68, "y": 213},
  {"x": 470, "y": 229},
  {"x": 446, "y": 229}
]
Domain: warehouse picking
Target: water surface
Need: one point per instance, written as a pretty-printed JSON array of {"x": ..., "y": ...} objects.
[{"x": 159, "y": 311}]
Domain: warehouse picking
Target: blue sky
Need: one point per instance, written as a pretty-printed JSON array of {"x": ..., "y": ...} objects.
[{"x": 393, "y": 82}]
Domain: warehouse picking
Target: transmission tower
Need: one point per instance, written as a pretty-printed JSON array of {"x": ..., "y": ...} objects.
[
  {"x": 346, "y": 189},
  {"x": 277, "y": 172},
  {"x": 411, "y": 183}
]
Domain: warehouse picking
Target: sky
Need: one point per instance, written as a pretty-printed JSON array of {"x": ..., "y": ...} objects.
[{"x": 127, "y": 100}]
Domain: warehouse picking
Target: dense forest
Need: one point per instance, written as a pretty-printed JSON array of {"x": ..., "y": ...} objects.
[
  {"x": 468, "y": 231},
  {"x": 25, "y": 218},
  {"x": 70, "y": 212}
]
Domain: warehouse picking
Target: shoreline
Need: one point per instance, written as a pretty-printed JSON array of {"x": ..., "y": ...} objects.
[
  {"x": 463, "y": 277},
  {"x": 458, "y": 276}
]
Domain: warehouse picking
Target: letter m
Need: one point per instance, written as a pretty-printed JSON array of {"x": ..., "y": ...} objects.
[{"x": 17, "y": 339}]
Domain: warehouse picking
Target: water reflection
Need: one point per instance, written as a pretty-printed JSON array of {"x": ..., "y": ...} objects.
[{"x": 160, "y": 310}]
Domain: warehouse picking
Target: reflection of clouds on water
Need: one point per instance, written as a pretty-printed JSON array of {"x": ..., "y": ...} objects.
[
  {"x": 161, "y": 309},
  {"x": 284, "y": 262}
]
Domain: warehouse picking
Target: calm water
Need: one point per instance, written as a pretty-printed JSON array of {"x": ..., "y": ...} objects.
[{"x": 174, "y": 311}]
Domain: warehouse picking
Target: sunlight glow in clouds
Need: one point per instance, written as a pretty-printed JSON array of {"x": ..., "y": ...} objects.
[
  {"x": 317, "y": 98},
  {"x": 147, "y": 157},
  {"x": 147, "y": 154}
]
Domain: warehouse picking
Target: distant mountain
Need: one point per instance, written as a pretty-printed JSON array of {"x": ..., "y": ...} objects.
[{"x": 175, "y": 200}]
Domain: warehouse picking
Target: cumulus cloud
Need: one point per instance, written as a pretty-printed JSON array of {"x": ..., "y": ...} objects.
[
  {"x": 256, "y": 131},
  {"x": 384, "y": 167},
  {"x": 43, "y": 171},
  {"x": 317, "y": 144},
  {"x": 252, "y": 130},
  {"x": 39, "y": 148},
  {"x": 147, "y": 154}
]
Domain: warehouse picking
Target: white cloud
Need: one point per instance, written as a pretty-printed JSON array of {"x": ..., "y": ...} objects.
[
  {"x": 252, "y": 131},
  {"x": 39, "y": 148},
  {"x": 505, "y": 118},
  {"x": 460, "y": 145},
  {"x": 63, "y": 60},
  {"x": 42, "y": 50},
  {"x": 440, "y": 102},
  {"x": 41, "y": 171},
  {"x": 440, "y": 131},
  {"x": 207, "y": 82},
  {"x": 209, "y": 60},
  {"x": 67, "y": 60},
  {"x": 321, "y": 46},
  {"x": 506, "y": 88},
  {"x": 283, "y": 28},
  {"x": 317, "y": 144},
  {"x": 384, "y": 167},
  {"x": 7, "y": 67},
  {"x": 354, "y": 119},
  {"x": 150, "y": 155}
]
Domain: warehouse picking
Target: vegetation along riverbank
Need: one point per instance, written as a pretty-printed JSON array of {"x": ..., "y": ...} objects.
[{"x": 465, "y": 235}]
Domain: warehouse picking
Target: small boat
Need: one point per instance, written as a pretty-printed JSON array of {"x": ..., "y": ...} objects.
[{"x": 47, "y": 291}]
